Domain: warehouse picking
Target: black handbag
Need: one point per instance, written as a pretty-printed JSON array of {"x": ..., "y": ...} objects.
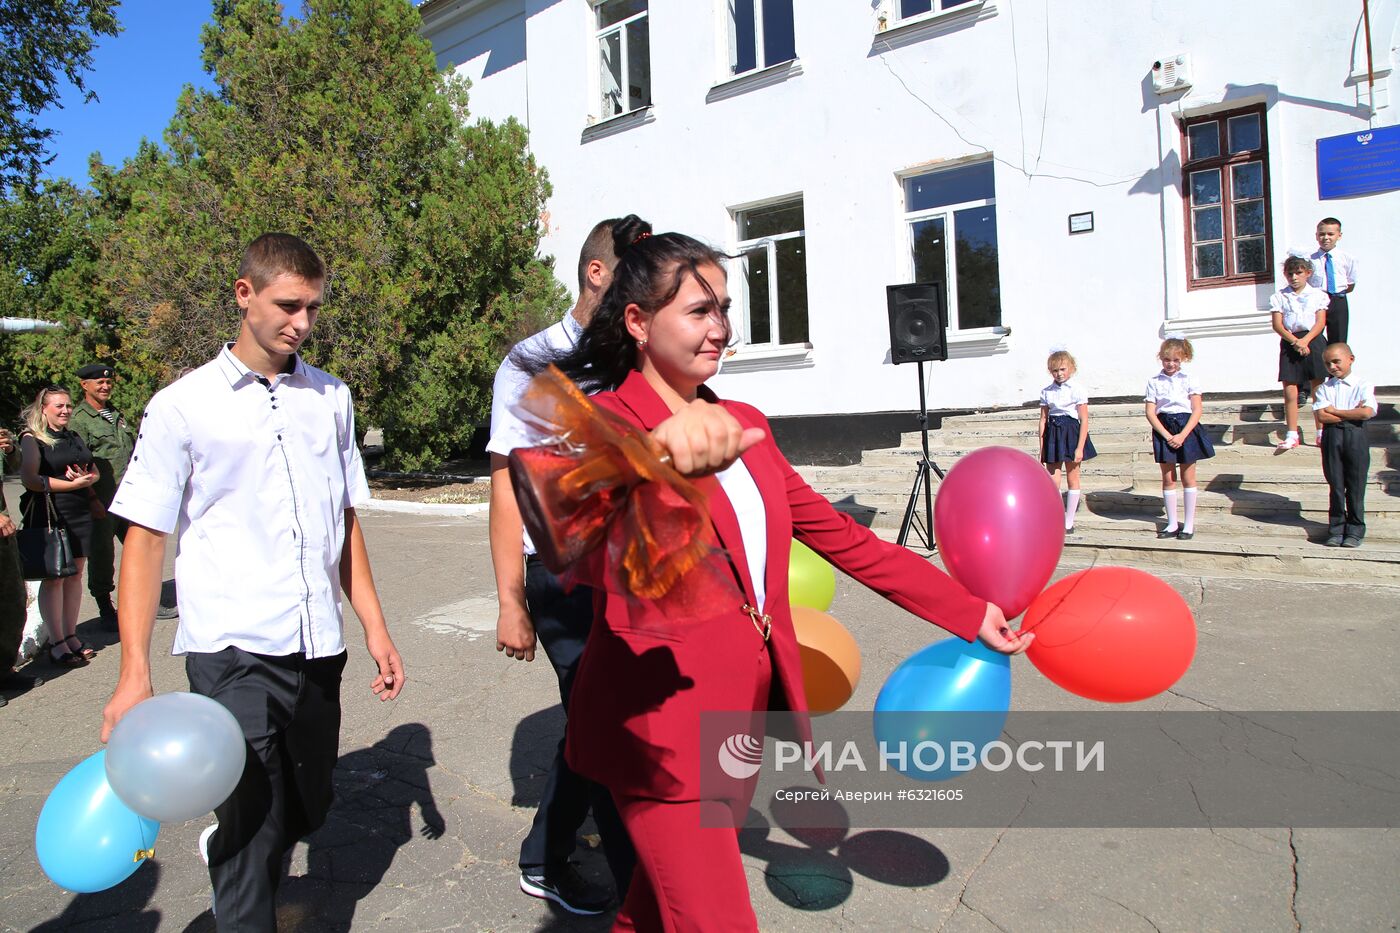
[{"x": 45, "y": 549}]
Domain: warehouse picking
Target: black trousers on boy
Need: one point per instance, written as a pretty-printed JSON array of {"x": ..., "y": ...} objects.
[
  {"x": 289, "y": 709},
  {"x": 562, "y": 623},
  {"x": 1346, "y": 459},
  {"x": 1337, "y": 314}
]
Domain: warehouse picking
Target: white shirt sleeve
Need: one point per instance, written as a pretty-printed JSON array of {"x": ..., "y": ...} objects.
[
  {"x": 1148, "y": 395},
  {"x": 1193, "y": 387},
  {"x": 1369, "y": 389},
  {"x": 356, "y": 485},
  {"x": 1078, "y": 397},
  {"x": 1045, "y": 398},
  {"x": 154, "y": 484},
  {"x": 1322, "y": 396},
  {"x": 1276, "y": 303},
  {"x": 507, "y": 431}
]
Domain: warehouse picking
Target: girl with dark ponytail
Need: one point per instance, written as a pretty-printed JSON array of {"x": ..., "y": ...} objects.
[{"x": 645, "y": 679}]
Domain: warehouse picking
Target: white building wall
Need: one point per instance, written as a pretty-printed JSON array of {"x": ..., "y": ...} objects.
[{"x": 1065, "y": 106}]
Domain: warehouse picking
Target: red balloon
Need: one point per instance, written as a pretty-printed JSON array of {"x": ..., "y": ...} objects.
[
  {"x": 1000, "y": 526},
  {"x": 1111, "y": 633}
]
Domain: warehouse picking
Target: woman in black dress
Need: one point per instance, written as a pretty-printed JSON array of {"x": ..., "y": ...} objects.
[{"x": 55, "y": 461}]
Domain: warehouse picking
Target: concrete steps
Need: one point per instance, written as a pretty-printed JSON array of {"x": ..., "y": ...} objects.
[{"x": 1258, "y": 512}]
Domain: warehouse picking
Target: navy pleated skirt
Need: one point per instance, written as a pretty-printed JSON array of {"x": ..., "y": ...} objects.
[
  {"x": 1296, "y": 369},
  {"x": 1062, "y": 439},
  {"x": 1196, "y": 447}
]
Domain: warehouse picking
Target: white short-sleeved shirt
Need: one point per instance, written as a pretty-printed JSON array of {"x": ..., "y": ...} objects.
[
  {"x": 1343, "y": 269},
  {"x": 1172, "y": 394},
  {"x": 1299, "y": 309},
  {"x": 254, "y": 478},
  {"x": 742, "y": 492},
  {"x": 1345, "y": 394},
  {"x": 507, "y": 430},
  {"x": 1063, "y": 398}
]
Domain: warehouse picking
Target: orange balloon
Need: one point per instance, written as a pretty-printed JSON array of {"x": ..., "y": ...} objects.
[
  {"x": 1112, "y": 634},
  {"x": 830, "y": 659}
]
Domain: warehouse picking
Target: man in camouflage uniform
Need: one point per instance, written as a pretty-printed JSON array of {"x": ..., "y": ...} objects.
[{"x": 111, "y": 440}]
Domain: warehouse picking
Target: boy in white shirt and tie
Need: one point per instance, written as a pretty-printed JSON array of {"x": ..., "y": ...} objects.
[{"x": 1334, "y": 271}]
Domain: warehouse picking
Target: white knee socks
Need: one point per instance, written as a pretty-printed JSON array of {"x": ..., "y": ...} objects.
[
  {"x": 1169, "y": 501},
  {"x": 1188, "y": 498},
  {"x": 1071, "y": 505}
]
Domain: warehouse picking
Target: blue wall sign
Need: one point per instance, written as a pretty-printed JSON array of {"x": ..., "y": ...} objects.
[{"x": 1359, "y": 163}]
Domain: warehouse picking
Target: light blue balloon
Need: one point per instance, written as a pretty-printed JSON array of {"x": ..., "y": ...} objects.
[
  {"x": 950, "y": 692},
  {"x": 87, "y": 840}
]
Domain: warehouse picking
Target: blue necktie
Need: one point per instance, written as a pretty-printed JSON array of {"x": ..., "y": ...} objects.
[{"x": 1331, "y": 277}]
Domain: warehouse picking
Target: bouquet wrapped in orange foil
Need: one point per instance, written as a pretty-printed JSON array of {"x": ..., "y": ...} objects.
[{"x": 598, "y": 481}]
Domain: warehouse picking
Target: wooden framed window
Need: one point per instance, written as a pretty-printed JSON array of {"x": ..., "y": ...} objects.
[{"x": 1225, "y": 172}]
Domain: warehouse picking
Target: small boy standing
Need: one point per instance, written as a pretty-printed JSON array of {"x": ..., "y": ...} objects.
[
  {"x": 1343, "y": 403},
  {"x": 1334, "y": 271}
]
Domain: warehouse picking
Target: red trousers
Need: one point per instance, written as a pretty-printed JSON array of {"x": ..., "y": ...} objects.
[{"x": 688, "y": 876}]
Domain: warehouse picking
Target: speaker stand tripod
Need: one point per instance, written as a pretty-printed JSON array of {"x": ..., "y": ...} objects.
[{"x": 923, "y": 482}]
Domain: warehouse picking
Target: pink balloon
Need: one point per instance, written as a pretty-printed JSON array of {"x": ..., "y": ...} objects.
[{"x": 999, "y": 524}]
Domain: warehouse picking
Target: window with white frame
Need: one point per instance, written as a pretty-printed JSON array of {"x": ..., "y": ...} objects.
[
  {"x": 1226, "y": 168},
  {"x": 773, "y": 246},
  {"x": 957, "y": 206},
  {"x": 914, "y": 9},
  {"x": 624, "y": 57},
  {"x": 760, "y": 34}
]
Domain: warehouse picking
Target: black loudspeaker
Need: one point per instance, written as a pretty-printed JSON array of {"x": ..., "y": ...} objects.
[{"x": 918, "y": 326}]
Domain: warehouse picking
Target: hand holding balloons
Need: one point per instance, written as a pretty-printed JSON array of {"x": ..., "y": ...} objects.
[{"x": 176, "y": 756}]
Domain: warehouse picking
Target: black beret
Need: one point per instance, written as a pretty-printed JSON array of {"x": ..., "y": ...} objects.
[{"x": 96, "y": 371}]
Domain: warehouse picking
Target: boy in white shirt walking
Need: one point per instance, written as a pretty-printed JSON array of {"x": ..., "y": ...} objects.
[{"x": 251, "y": 460}]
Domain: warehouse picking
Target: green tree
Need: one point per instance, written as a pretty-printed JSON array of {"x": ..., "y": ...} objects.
[
  {"x": 338, "y": 127},
  {"x": 49, "y": 243},
  {"x": 41, "y": 42}
]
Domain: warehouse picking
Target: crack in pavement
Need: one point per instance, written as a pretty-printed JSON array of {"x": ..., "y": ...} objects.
[
  {"x": 1293, "y": 889},
  {"x": 1135, "y": 913}
]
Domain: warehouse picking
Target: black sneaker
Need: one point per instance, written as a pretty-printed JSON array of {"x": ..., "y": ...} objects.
[
  {"x": 566, "y": 887},
  {"x": 166, "y": 613},
  {"x": 18, "y": 681},
  {"x": 107, "y": 613}
]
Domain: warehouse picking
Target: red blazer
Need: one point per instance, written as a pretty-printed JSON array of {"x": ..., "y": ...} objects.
[{"x": 634, "y": 714}]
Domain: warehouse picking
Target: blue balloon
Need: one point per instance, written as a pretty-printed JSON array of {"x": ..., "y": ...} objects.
[
  {"x": 940, "y": 707},
  {"x": 87, "y": 840}
]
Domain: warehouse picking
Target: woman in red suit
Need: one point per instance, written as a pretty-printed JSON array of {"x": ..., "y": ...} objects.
[{"x": 645, "y": 679}]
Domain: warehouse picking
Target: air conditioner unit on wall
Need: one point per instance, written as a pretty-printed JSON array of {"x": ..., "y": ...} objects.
[{"x": 1171, "y": 73}]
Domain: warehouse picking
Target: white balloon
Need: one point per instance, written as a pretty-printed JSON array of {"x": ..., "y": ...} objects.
[{"x": 175, "y": 757}]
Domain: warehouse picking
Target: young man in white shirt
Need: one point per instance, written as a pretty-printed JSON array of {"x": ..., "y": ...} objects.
[
  {"x": 533, "y": 601},
  {"x": 251, "y": 460}
]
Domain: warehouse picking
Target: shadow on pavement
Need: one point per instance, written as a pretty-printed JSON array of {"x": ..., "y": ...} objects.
[
  {"x": 122, "y": 909},
  {"x": 821, "y": 876},
  {"x": 376, "y": 790}
]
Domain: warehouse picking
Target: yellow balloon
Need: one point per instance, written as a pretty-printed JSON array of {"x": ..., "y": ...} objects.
[{"x": 811, "y": 581}]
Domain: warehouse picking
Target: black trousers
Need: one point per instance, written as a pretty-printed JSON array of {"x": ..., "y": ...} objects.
[
  {"x": 1346, "y": 459},
  {"x": 1337, "y": 313},
  {"x": 562, "y": 622},
  {"x": 289, "y": 709}
]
